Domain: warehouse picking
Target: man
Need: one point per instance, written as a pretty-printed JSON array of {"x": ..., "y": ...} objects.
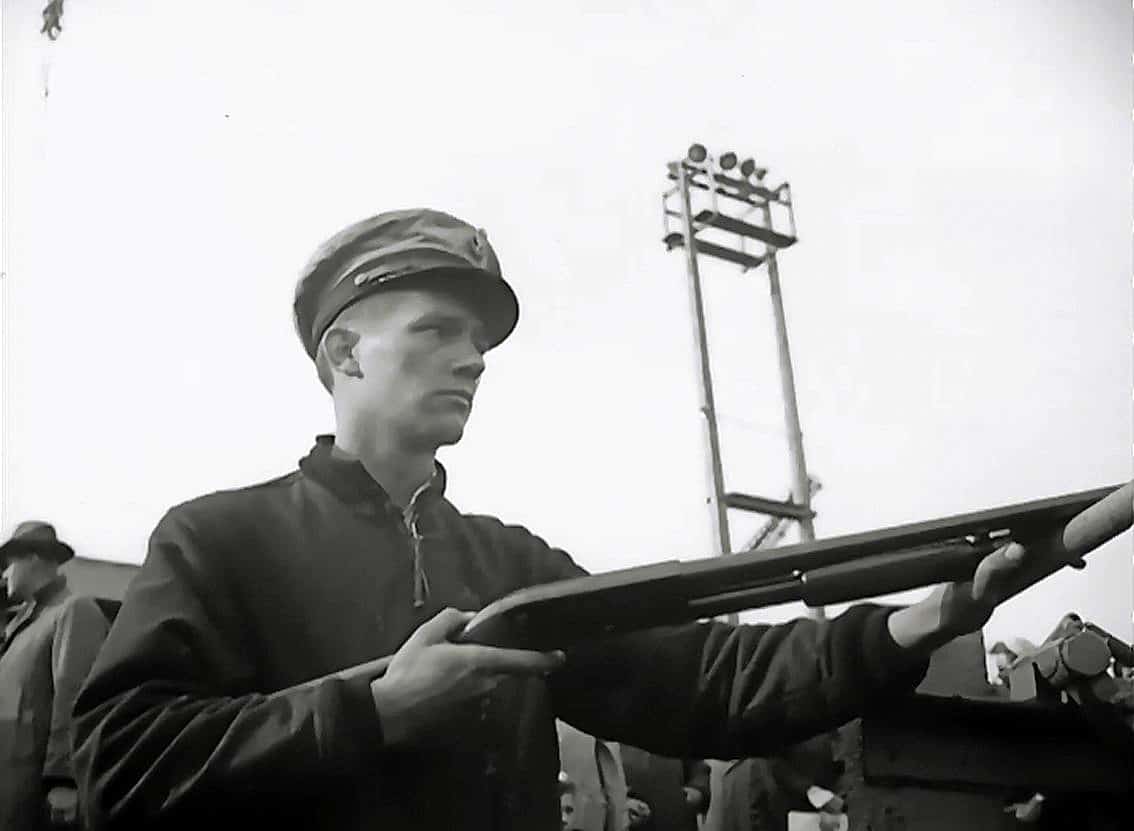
[
  {"x": 676, "y": 790},
  {"x": 49, "y": 647},
  {"x": 595, "y": 769},
  {"x": 220, "y": 692},
  {"x": 566, "y": 803},
  {"x": 759, "y": 794}
]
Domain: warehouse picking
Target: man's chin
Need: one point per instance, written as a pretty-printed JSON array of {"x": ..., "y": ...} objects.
[
  {"x": 451, "y": 438},
  {"x": 444, "y": 433}
]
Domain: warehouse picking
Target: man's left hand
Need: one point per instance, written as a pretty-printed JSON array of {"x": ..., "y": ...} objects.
[
  {"x": 63, "y": 806},
  {"x": 955, "y": 609}
]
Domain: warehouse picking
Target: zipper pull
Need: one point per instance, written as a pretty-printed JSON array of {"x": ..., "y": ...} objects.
[
  {"x": 420, "y": 581},
  {"x": 420, "y": 584},
  {"x": 411, "y": 517}
]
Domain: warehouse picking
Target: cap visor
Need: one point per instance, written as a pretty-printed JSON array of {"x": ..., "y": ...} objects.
[{"x": 488, "y": 295}]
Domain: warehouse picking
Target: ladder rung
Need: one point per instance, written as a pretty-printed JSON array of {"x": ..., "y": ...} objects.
[
  {"x": 677, "y": 240},
  {"x": 769, "y": 507},
  {"x": 744, "y": 229}
]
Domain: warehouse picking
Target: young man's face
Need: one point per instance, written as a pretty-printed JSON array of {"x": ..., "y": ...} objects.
[{"x": 420, "y": 355}]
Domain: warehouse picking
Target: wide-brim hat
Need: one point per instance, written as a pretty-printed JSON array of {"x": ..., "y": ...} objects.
[
  {"x": 417, "y": 247},
  {"x": 35, "y": 537}
]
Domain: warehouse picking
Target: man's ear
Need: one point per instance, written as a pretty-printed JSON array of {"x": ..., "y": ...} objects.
[{"x": 340, "y": 344}]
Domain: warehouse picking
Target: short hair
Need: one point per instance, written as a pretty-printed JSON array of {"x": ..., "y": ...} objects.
[
  {"x": 323, "y": 365},
  {"x": 322, "y": 361}
]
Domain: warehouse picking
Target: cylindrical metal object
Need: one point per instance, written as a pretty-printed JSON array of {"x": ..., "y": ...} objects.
[{"x": 1082, "y": 655}]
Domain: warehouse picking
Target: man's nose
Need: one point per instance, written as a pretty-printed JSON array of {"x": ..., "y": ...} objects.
[{"x": 470, "y": 363}]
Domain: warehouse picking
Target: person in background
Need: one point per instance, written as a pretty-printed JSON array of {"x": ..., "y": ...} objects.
[
  {"x": 676, "y": 790},
  {"x": 1003, "y": 655},
  {"x": 595, "y": 769},
  {"x": 11, "y": 607},
  {"x": 566, "y": 803},
  {"x": 49, "y": 647},
  {"x": 759, "y": 793}
]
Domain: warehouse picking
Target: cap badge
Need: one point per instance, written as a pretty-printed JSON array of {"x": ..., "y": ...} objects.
[{"x": 479, "y": 241}]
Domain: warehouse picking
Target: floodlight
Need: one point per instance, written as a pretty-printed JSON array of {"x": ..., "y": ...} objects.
[
  {"x": 697, "y": 153},
  {"x": 728, "y": 161},
  {"x": 747, "y": 168}
]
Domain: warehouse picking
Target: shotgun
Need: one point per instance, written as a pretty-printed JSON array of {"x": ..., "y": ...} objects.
[{"x": 1057, "y": 532}]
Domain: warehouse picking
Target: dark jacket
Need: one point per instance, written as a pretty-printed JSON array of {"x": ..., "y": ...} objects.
[{"x": 210, "y": 700}]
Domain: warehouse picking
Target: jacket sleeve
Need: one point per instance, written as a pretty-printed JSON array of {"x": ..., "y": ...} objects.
[
  {"x": 170, "y": 723},
  {"x": 713, "y": 691},
  {"x": 79, "y": 632}
]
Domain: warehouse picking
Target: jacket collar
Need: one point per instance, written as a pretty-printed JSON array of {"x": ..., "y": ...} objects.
[
  {"x": 352, "y": 483},
  {"x": 44, "y": 597}
]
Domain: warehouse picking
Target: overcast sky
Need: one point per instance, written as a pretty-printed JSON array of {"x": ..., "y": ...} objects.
[{"x": 959, "y": 303}]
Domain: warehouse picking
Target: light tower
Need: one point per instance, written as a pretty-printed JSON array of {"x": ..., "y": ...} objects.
[{"x": 732, "y": 199}]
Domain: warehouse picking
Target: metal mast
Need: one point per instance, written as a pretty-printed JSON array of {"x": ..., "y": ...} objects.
[{"x": 732, "y": 193}]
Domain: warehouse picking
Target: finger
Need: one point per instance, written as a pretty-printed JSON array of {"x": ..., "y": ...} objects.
[
  {"x": 1012, "y": 553},
  {"x": 995, "y": 568},
  {"x": 494, "y": 659},
  {"x": 440, "y": 627}
]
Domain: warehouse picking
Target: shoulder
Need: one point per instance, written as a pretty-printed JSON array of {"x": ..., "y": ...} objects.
[
  {"x": 78, "y": 609},
  {"x": 208, "y": 533},
  {"x": 81, "y": 602},
  {"x": 530, "y": 553},
  {"x": 491, "y": 526},
  {"x": 510, "y": 538},
  {"x": 237, "y": 498},
  {"x": 226, "y": 506}
]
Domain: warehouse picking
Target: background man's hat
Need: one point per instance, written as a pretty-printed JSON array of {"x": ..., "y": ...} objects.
[
  {"x": 419, "y": 247},
  {"x": 35, "y": 537}
]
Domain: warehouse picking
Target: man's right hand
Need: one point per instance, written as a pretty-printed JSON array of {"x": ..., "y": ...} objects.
[
  {"x": 430, "y": 678},
  {"x": 63, "y": 806},
  {"x": 637, "y": 812}
]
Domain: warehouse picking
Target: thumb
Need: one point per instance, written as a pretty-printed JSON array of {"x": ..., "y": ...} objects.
[{"x": 440, "y": 627}]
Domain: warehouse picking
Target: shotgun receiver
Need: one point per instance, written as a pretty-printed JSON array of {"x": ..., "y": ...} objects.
[{"x": 1057, "y": 532}]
